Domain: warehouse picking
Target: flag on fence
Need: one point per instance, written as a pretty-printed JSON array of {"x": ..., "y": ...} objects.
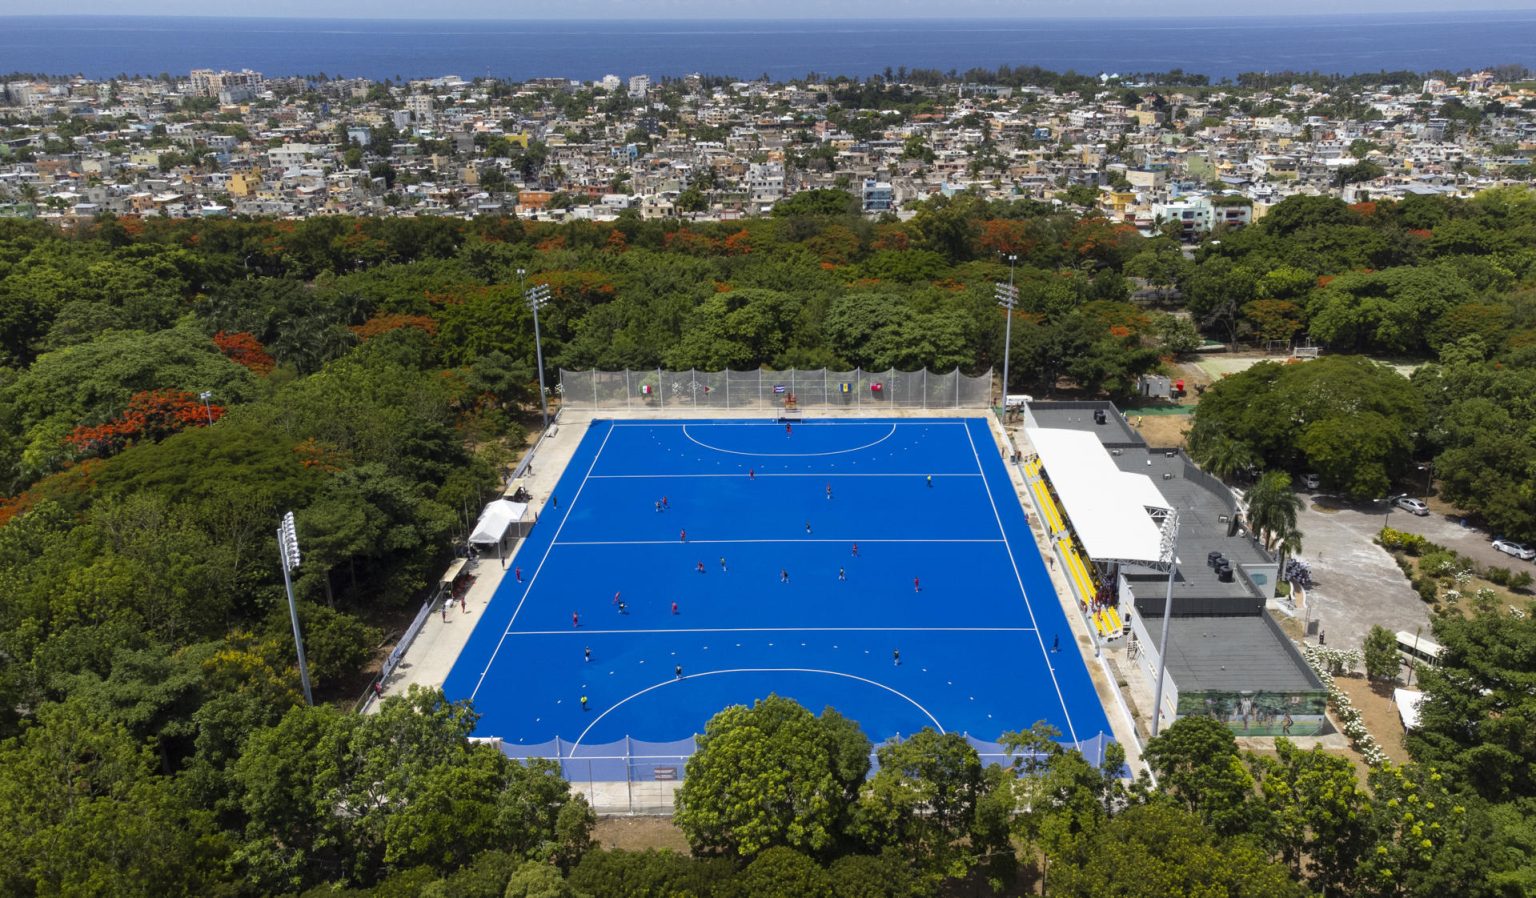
[
  {"x": 845, "y": 387},
  {"x": 874, "y": 387},
  {"x": 778, "y": 388},
  {"x": 645, "y": 389}
]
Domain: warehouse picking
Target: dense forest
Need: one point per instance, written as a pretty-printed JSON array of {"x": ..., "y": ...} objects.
[{"x": 169, "y": 388}]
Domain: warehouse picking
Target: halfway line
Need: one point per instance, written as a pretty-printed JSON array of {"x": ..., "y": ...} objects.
[
  {"x": 586, "y": 632},
  {"x": 824, "y": 475},
  {"x": 707, "y": 542}
]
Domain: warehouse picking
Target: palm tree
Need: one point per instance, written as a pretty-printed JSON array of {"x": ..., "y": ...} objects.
[
  {"x": 1223, "y": 456},
  {"x": 1272, "y": 509},
  {"x": 1287, "y": 545}
]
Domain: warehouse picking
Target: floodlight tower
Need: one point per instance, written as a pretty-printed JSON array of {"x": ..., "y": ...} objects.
[
  {"x": 536, "y": 296},
  {"x": 1170, "y": 554},
  {"x": 288, "y": 551},
  {"x": 1007, "y": 297},
  {"x": 205, "y": 396}
]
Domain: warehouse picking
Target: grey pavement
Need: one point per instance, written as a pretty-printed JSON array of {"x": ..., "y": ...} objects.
[
  {"x": 1444, "y": 527},
  {"x": 1356, "y": 584}
]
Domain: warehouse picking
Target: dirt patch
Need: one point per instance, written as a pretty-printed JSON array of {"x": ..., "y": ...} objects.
[
  {"x": 1378, "y": 712},
  {"x": 639, "y": 834},
  {"x": 1163, "y": 431}
]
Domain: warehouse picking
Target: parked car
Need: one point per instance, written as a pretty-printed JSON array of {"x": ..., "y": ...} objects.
[
  {"x": 1311, "y": 481},
  {"x": 1411, "y": 505},
  {"x": 1519, "y": 550}
]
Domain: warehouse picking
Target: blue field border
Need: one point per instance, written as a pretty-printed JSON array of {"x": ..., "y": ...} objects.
[{"x": 1061, "y": 675}]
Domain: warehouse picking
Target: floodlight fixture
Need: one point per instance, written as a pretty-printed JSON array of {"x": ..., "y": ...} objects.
[
  {"x": 1008, "y": 297},
  {"x": 288, "y": 553},
  {"x": 537, "y": 296}
]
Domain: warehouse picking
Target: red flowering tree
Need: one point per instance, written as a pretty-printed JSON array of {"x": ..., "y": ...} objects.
[
  {"x": 151, "y": 415},
  {"x": 380, "y": 324},
  {"x": 242, "y": 348}
]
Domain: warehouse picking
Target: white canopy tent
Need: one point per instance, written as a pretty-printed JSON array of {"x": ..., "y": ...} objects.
[
  {"x": 497, "y": 518},
  {"x": 1408, "y": 703},
  {"x": 1111, "y": 510}
]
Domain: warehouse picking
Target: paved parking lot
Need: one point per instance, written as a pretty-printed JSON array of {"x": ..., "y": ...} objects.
[
  {"x": 1443, "y": 525},
  {"x": 1356, "y": 582}
]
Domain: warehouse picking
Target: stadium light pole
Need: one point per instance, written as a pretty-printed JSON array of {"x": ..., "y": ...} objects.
[
  {"x": 1171, "y": 550},
  {"x": 536, "y": 296},
  {"x": 288, "y": 551},
  {"x": 205, "y": 396},
  {"x": 1007, "y": 297}
]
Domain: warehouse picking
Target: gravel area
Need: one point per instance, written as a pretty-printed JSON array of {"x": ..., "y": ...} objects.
[{"x": 1356, "y": 582}]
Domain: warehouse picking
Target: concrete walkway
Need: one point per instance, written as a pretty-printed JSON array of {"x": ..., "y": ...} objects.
[
  {"x": 430, "y": 658},
  {"x": 1097, "y": 654}
]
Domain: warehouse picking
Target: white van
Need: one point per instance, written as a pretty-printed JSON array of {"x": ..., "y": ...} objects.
[{"x": 1418, "y": 650}]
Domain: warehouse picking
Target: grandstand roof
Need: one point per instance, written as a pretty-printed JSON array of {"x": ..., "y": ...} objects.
[{"x": 1110, "y": 509}]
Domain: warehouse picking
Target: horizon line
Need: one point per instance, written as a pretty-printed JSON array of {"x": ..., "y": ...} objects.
[{"x": 1448, "y": 10}]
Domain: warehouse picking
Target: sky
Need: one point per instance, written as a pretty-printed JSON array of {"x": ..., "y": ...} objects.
[{"x": 752, "y": 9}]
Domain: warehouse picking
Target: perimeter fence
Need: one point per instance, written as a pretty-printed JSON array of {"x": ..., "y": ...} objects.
[
  {"x": 765, "y": 390},
  {"x": 631, "y": 776}
]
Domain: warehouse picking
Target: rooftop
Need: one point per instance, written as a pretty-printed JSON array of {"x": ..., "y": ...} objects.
[
  {"x": 1205, "y": 508},
  {"x": 1232, "y": 654},
  {"x": 1079, "y": 416}
]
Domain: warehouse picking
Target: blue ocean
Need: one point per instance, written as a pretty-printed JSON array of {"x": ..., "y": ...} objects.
[{"x": 98, "y": 47}]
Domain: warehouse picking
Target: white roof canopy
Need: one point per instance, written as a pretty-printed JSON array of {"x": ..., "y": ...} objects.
[
  {"x": 494, "y": 521},
  {"x": 1110, "y": 509}
]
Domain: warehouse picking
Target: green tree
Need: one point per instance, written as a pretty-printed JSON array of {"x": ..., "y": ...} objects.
[
  {"x": 1223, "y": 456},
  {"x": 1161, "y": 265},
  {"x": 870, "y": 876},
  {"x": 817, "y": 202},
  {"x": 1348, "y": 418},
  {"x": 1272, "y": 508},
  {"x": 1156, "y": 850},
  {"x": 1198, "y": 764},
  {"x": 1215, "y": 290},
  {"x": 86, "y": 815},
  {"x": 1081, "y": 195},
  {"x": 692, "y": 199},
  {"x": 649, "y": 874},
  {"x": 1052, "y": 799},
  {"x": 1317, "y": 815},
  {"x": 1381, "y": 660},
  {"x": 536, "y": 879},
  {"x": 1175, "y": 336},
  {"x": 1359, "y": 455},
  {"x": 782, "y": 872},
  {"x": 330, "y": 795},
  {"x": 1476, "y": 721},
  {"x": 1429, "y": 840},
  {"x": 923, "y": 797},
  {"x": 762, "y": 776},
  {"x": 1296, "y": 213}
]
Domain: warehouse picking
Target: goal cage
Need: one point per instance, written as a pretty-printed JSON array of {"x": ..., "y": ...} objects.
[{"x": 765, "y": 390}]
